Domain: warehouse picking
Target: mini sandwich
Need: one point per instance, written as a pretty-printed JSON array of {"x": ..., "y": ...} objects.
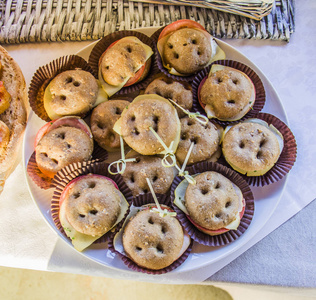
[
  {"x": 125, "y": 62},
  {"x": 72, "y": 93},
  {"x": 252, "y": 147},
  {"x": 186, "y": 47},
  {"x": 62, "y": 142},
  {"x": 227, "y": 94},
  {"x": 89, "y": 207},
  {"x": 214, "y": 205},
  {"x": 150, "y": 240},
  {"x": 148, "y": 113}
]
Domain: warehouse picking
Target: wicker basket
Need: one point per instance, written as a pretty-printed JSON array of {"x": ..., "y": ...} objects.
[{"x": 24, "y": 21}]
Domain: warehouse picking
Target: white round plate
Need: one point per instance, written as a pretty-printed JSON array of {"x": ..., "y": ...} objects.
[{"x": 266, "y": 198}]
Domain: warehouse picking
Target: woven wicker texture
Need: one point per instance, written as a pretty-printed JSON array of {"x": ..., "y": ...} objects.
[{"x": 25, "y": 21}]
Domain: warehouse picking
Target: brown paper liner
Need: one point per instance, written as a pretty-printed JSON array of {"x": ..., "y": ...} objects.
[
  {"x": 45, "y": 74},
  {"x": 105, "y": 42},
  {"x": 160, "y": 66},
  {"x": 36, "y": 175},
  {"x": 140, "y": 201},
  {"x": 44, "y": 182},
  {"x": 72, "y": 171},
  {"x": 260, "y": 97},
  {"x": 287, "y": 157},
  {"x": 231, "y": 235}
]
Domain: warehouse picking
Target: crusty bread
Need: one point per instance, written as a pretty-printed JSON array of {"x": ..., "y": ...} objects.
[{"x": 15, "y": 117}]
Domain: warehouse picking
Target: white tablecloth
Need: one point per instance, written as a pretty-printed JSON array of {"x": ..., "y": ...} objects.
[{"x": 28, "y": 242}]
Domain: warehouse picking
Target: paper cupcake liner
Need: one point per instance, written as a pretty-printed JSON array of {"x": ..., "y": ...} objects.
[
  {"x": 75, "y": 170},
  {"x": 231, "y": 235},
  {"x": 147, "y": 198},
  {"x": 287, "y": 157},
  {"x": 260, "y": 97},
  {"x": 45, "y": 74},
  {"x": 44, "y": 182},
  {"x": 105, "y": 42},
  {"x": 140, "y": 201},
  {"x": 36, "y": 175}
]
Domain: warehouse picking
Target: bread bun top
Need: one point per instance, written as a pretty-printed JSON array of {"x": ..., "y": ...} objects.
[
  {"x": 212, "y": 202},
  {"x": 147, "y": 166},
  {"x": 92, "y": 205},
  {"x": 179, "y": 92},
  {"x": 74, "y": 92},
  {"x": 228, "y": 92},
  {"x": 150, "y": 111},
  {"x": 152, "y": 241},
  {"x": 206, "y": 140},
  {"x": 187, "y": 50},
  {"x": 251, "y": 147},
  {"x": 61, "y": 147},
  {"x": 102, "y": 121},
  {"x": 122, "y": 60}
]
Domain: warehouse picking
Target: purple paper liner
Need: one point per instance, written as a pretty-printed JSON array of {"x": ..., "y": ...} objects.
[
  {"x": 147, "y": 198},
  {"x": 231, "y": 235},
  {"x": 64, "y": 176},
  {"x": 43, "y": 76},
  {"x": 105, "y": 42},
  {"x": 140, "y": 201},
  {"x": 287, "y": 157},
  {"x": 155, "y": 36},
  {"x": 260, "y": 96},
  {"x": 44, "y": 182}
]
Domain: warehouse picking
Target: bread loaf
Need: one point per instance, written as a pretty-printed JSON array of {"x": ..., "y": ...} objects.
[{"x": 15, "y": 116}]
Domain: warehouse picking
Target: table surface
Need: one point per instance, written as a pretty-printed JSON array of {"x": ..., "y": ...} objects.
[{"x": 284, "y": 256}]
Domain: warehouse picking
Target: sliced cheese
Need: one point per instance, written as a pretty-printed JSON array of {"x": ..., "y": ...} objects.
[
  {"x": 102, "y": 95},
  {"x": 79, "y": 240},
  {"x": 111, "y": 89},
  {"x": 179, "y": 201},
  {"x": 48, "y": 98}
]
